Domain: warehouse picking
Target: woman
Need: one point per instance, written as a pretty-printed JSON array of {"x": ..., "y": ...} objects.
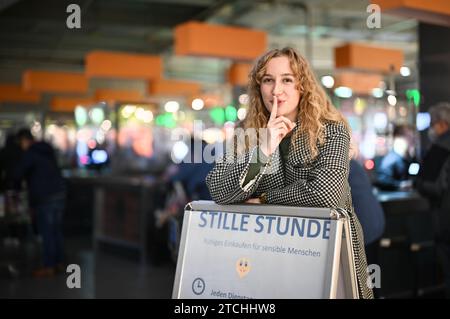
[{"x": 301, "y": 154}]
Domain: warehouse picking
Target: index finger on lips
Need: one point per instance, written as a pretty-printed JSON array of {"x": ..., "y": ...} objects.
[{"x": 273, "y": 113}]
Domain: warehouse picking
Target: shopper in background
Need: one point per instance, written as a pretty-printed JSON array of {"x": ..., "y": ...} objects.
[
  {"x": 392, "y": 173},
  {"x": 367, "y": 208},
  {"x": 46, "y": 192},
  {"x": 434, "y": 180},
  {"x": 300, "y": 154},
  {"x": 192, "y": 171},
  {"x": 10, "y": 155}
]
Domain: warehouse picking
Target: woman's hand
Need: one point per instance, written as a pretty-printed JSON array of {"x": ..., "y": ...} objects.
[
  {"x": 253, "y": 201},
  {"x": 277, "y": 128}
]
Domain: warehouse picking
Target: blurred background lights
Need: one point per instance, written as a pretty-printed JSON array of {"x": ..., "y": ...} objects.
[
  {"x": 128, "y": 110},
  {"x": 99, "y": 156},
  {"x": 100, "y": 137},
  {"x": 139, "y": 113},
  {"x": 241, "y": 113},
  {"x": 414, "y": 96},
  {"x": 217, "y": 114},
  {"x": 359, "y": 106},
  {"x": 80, "y": 115},
  {"x": 106, "y": 125},
  {"x": 413, "y": 168},
  {"x": 92, "y": 144},
  {"x": 369, "y": 164},
  {"x": 343, "y": 92},
  {"x": 172, "y": 106},
  {"x": 377, "y": 92},
  {"x": 97, "y": 115},
  {"x": 243, "y": 99},
  {"x": 423, "y": 121},
  {"x": 179, "y": 151},
  {"x": 147, "y": 116},
  {"x": 392, "y": 100},
  {"x": 213, "y": 135},
  {"x": 81, "y": 149},
  {"x": 380, "y": 121},
  {"x": 327, "y": 81},
  {"x": 230, "y": 113},
  {"x": 405, "y": 71},
  {"x": 197, "y": 104}
]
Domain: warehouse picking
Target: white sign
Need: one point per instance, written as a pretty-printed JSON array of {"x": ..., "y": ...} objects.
[{"x": 242, "y": 255}]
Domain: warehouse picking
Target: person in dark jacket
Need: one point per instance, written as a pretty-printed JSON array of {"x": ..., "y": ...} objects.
[
  {"x": 10, "y": 155},
  {"x": 46, "y": 193},
  {"x": 392, "y": 173},
  {"x": 433, "y": 182},
  {"x": 192, "y": 172},
  {"x": 367, "y": 208}
]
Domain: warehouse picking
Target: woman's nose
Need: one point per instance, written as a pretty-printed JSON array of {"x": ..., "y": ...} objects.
[{"x": 278, "y": 88}]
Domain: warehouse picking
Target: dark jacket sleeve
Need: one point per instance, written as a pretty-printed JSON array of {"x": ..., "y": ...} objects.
[
  {"x": 23, "y": 168},
  {"x": 436, "y": 188}
]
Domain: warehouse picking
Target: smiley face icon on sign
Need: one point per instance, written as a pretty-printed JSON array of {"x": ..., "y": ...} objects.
[{"x": 243, "y": 267}]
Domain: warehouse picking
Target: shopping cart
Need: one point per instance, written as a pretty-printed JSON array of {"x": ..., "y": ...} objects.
[{"x": 15, "y": 230}]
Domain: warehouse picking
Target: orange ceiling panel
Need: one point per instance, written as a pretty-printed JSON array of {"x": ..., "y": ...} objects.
[
  {"x": 123, "y": 65},
  {"x": 212, "y": 100},
  {"x": 60, "y": 82},
  {"x": 360, "y": 83},
  {"x": 15, "y": 93},
  {"x": 368, "y": 58},
  {"x": 202, "y": 39},
  {"x": 119, "y": 95},
  {"x": 173, "y": 87},
  {"x": 68, "y": 104},
  {"x": 238, "y": 73},
  {"x": 430, "y": 11}
]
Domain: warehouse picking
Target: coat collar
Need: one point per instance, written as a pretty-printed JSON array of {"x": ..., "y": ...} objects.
[{"x": 299, "y": 152}]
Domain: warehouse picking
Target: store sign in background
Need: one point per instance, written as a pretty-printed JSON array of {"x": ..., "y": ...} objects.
[{"x": 234, "y": 255}]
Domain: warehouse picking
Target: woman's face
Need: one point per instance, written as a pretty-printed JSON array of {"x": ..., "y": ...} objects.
[{"x": 280, "y": 83}]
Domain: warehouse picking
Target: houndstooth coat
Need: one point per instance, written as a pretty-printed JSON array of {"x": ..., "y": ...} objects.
[{"x": 322, "y": 182}]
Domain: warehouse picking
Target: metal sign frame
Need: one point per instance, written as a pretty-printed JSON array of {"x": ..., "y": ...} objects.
[{"x": 340, "y": 274}]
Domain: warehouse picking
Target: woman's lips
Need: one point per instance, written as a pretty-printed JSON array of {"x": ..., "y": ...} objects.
[{"x": 278, "y": 102}]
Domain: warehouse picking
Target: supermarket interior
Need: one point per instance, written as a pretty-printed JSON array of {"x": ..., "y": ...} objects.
[{"x": 119, "y": 92}]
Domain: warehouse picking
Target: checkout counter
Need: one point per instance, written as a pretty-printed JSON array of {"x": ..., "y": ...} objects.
[
  {"x": 407, "y": 254},
  {"x": 119, "y": 212}
]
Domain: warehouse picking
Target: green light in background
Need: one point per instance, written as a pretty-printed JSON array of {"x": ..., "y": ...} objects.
[
  {"x": 81, "y": 116},
  {"x": 97, "y": 115},
  {"x": 170, "y": 120},
  {"x": 230, "y": 113},
  {"x": 217, "y": 114},
  {"x": 413, "y": 95},
  {"x": 159, "y": 120},
  {"x": 166, "y": 120}
]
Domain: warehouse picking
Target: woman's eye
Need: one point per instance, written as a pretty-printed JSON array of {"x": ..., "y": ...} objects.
[
  {"x": 267, "y": 80},
  {"x": 288, "y": 80}
]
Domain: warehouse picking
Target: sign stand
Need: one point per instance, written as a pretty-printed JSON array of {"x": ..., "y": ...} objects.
[{"x": 265, "y": 252}]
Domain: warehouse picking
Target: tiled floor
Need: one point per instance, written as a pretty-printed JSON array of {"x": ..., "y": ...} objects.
[{"x": 103, "y": 274}]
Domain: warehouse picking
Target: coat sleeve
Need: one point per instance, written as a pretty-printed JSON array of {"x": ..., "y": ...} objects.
[
  {"x": 435, "y": 189},
  {"x": 326, "y": 180},
  {"x": 226, "y": 180}
]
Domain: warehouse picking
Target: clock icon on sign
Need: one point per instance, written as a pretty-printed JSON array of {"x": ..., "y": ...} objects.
[{"x": 198, "y": 286}]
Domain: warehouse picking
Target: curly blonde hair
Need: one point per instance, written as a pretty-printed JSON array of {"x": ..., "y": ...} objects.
[{"x": 315, "y": 108}]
